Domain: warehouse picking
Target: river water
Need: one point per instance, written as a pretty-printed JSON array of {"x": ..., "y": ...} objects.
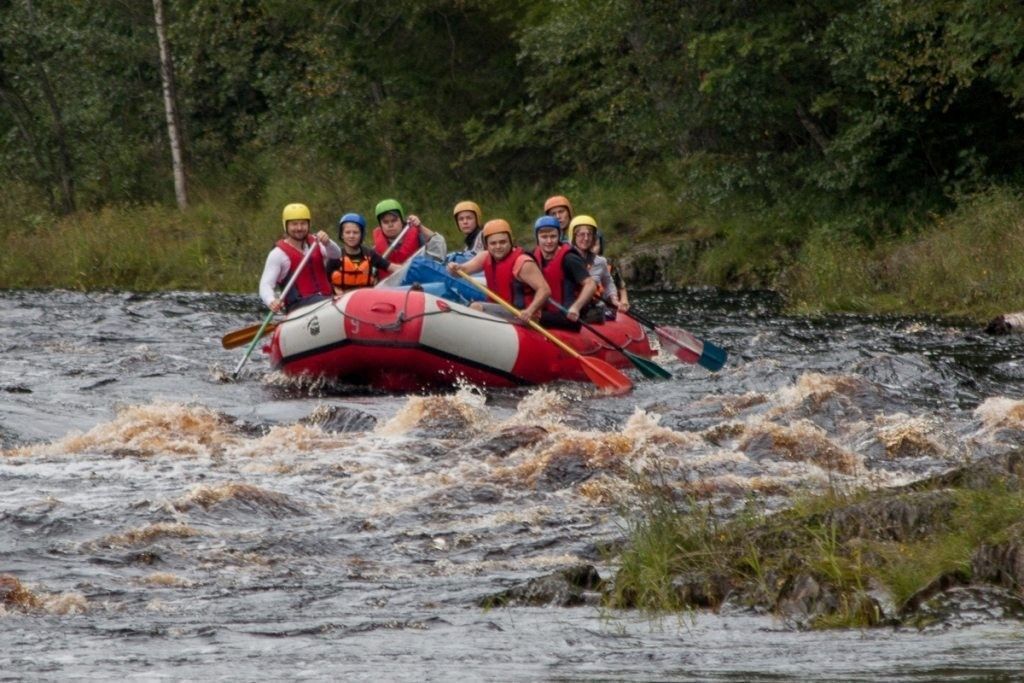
[{"x": 166, "y": 522}]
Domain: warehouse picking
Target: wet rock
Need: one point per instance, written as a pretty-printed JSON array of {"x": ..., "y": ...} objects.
[
  {"x": 564, "y": 470},
  {"x": 698, "y": 590},
  {"x": 571, "y": 587},
  {"x": 896, "y": 518},
  {"x": 504, "y": 442},
  {"x": 1006, "y": 323},
  {"x": 14, "y": 595},
  {"x": 1003, "y": 469},
  {"x": 659, "y": 267},
  {"x": 1002, "y": 563},
  {"x": 802, "y": 598},
  {"x": 341, "y": 419},
  {"x": 17, "y": 389},
  {"x": 961, "y": 606}
]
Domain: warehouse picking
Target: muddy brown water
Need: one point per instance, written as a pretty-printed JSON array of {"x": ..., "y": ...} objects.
[{"x": 170, "y": 524}]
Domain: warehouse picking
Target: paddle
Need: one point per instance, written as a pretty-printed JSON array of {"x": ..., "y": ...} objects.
[
  {"x": 392, "y": 278},
  {"x": 236, "y": 338},
  {"x": 270, "y": 314},
  {"x": 688, "y": 348},
  {"x": 600, "y": 373},
  {"x": 648, "y": 368}
]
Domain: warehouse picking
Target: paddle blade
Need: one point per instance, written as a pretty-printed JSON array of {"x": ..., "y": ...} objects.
[
  {"x": 713, "y": 357},
  {"x": 690, "y": 349},
  {"x": 236, "y": 338},
  {"x": 648, "y": 368},
  {"x": 607, "y": 378}
]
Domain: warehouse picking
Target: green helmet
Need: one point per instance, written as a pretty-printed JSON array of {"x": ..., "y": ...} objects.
[{"x": 387, "y": 206}]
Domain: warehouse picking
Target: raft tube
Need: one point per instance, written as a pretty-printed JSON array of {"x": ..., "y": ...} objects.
[{"x": 404, "y": 340}]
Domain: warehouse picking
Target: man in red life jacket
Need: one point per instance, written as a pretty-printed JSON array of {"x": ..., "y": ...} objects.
[
  {"x": 566, "y": 273},
  {"x": 510, "y": 273},
  {"x": 358, "y": 266},
  {"x": 559, "y": 208},
  {"x": 390, "y": 223},
  {"x": 282, "y": 261}
]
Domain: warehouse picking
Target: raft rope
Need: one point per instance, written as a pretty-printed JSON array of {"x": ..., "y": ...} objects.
[{"x": 403, "y": 318}]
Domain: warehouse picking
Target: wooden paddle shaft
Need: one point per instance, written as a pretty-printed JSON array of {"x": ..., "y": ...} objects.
[{"x": 516, "y": 312}]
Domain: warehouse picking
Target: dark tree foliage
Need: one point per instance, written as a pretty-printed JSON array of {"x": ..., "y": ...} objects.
[{"x": 891, "y": 100}]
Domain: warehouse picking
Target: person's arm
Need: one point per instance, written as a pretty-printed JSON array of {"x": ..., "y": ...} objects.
[
  {"x": 330, "y": 248},
  {"x": 620, "y": 288},
  {"x": 382, "y": 264},
  {"x": 274, "y": 271},
  {"x": 427, "y": 233},
  {"x": 473, "y": 265},
  {"x": 606, "y": 281},
  {"x": 580, "y": 274},
  {"x": 531, "y": 275},
  {"x": 586, "y": 294}
]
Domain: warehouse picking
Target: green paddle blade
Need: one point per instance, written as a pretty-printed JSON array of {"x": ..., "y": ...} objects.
[{"x": 648, "y": 368}]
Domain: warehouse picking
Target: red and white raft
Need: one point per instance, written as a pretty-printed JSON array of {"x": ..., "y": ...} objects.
[{"x": 403, "y": 340}]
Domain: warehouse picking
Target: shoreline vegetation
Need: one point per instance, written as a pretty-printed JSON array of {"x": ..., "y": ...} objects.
[
  {"x": 963, "y": 263},
  {"x": 910, "y": 556}
]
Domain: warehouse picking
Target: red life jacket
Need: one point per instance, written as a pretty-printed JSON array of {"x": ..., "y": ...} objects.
[
  {"x": 502, "y": 282},
  {"x": 313, "y": 278},
  {"x": 563, "y": 289},
  {"x": 412, "y": 241},
  {"x": 353, "y": 274}
]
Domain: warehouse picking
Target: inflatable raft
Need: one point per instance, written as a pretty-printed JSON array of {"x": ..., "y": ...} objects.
[{"x": 408, "y": 339}]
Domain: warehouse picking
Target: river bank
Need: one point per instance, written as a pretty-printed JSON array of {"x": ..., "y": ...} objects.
[{"x": 961, "y": 262}]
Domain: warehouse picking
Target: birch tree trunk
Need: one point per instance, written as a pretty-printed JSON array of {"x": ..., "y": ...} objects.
[{"x": 170, "y": 107}]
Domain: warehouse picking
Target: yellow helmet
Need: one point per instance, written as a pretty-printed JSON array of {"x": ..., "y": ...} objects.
[
  {"x": 578, "y": 221},
  {"x": 468, "y": 206},
  {"x": 294, "y": 212},
  {"x": 494, "y": 226}
]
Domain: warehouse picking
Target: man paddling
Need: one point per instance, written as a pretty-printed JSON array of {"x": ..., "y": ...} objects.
[
  {"x": 390, "y": 225},
  {"x": 510, "y": 273},
  {"x": 286, "y": 257}
]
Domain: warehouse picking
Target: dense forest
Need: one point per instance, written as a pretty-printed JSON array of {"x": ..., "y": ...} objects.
[{"x": 857, "y": 121}]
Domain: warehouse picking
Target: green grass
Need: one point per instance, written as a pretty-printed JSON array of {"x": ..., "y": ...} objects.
[
  {"x": 821, "y": 255},
  {"x": 760, "y": 553}
]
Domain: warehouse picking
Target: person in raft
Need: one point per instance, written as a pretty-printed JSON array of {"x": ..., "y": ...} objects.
[
  {"x": 469, "y": 221},
  {"x": 608, "y": 279},
  {"x": 509, "y": 271},
  {"x": 358, "y": 266},
  {"x": 559, "y": 208},
  {"x": 582, "y": 237},
  {"x": 567, "y": 275},
  {"x": 390, "y": 223},
  {"x": 282, "y": 261}
]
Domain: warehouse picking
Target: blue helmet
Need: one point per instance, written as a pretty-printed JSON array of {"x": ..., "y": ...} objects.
[
  {"x": 546, "y": 222},
  {"x": 353, "y": 218}
]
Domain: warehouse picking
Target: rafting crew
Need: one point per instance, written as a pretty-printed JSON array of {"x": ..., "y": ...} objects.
[
  {"x": 391, "y": 224},
  {"x": 358, "y": 266},
  {"x": 312, "y": 283},
  {"x": 509, "y": 271}
]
